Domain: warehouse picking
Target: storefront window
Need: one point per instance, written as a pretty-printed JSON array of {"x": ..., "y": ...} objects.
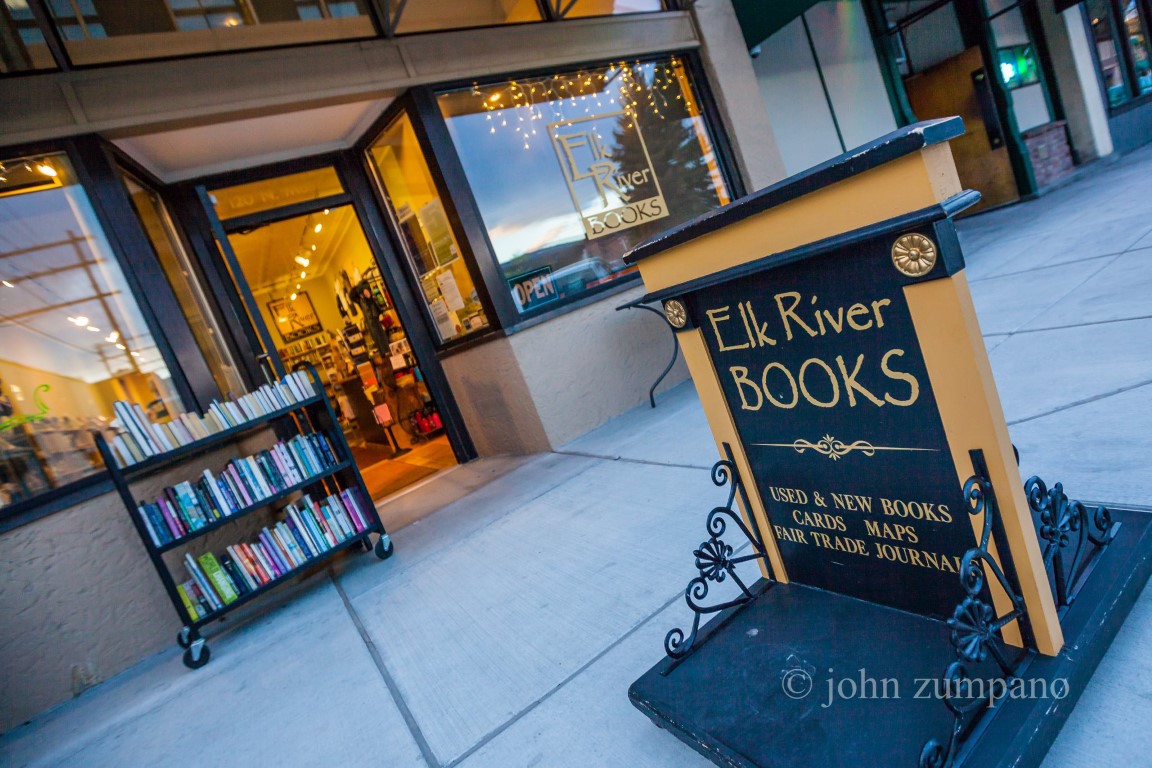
[
  {"x": 1019, "y": 70},
  {"x": 100, "y": 31},
  {"x": 1113, "y": 45},
  {"x": 571, "y": 9},
  {"x": 178, "y": 268},
  {"x": 1138, "y": 46},
  {"x": 1106, "y": 54},
  {"x": 257, "y": 196},
  {"x": 572, "y": 170},
  {"x": 429, "y": 242},
  {"x": 432, "y": 15},
  {"x": 21, "y": 41},
  {"x": 72, "y": 339}
]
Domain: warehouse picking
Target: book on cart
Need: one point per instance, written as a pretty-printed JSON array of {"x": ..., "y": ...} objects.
[
  {"x": 304, "y": 485},
  {"x": 140, "y": 436}
]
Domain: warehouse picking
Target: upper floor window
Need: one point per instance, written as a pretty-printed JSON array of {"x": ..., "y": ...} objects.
[
  {"x": 104, "y": 31},
  {"x": 108, "y": 31},
  {"x": 22, "y": 44},
  {"x": 571, "y": 9}
]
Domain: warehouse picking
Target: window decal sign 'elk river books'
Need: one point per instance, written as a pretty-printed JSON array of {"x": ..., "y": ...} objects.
[{"x": 608, "y": 196}]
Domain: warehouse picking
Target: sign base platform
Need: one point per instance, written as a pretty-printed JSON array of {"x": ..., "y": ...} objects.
[{"x": 804, "y": 678}]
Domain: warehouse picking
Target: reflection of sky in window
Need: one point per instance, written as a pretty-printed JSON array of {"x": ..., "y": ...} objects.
[{"x": 522, "y": 193}]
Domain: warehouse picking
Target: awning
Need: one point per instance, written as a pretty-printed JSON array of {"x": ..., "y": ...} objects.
[{"x": 760, "y": 19}]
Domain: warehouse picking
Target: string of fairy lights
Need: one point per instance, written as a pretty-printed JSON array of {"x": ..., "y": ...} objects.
[{"x": 519, "y": 105}]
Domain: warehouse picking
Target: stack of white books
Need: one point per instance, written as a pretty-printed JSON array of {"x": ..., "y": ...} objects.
[{"x": 140, "y": 437}]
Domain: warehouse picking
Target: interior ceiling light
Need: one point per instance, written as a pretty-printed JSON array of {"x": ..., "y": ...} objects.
[
  {"x": 78, "y": 320},
  {"x": 135, "y": 354},
  {"x": 6, "y": 283},
  {"x": 113, "y": 337},
  {"x": 121, "y": 346},
  {"x": 297, "y": 286},
  {"x": 47, "y": 170},
  {"x": 325, "y": 211},
  {"x": 281, "y": 319},
  {"x": 302, "y": 261},
  {"x": 317, "y": 228},
  {"x": 94, "y": 329},
  {"x": 313, "y": 247},
  {"x": 303, "y": 275},
  {"x": 292, "y": 297}
]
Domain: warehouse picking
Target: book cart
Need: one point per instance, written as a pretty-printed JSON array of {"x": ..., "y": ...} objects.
[{"x": 313, "y": 414}]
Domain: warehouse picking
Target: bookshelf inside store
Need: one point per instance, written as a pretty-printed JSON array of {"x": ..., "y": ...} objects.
[{"x": 305, "y": 487}]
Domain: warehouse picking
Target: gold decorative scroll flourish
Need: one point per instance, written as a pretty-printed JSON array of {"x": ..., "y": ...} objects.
[{"x": 835, "y": 448}]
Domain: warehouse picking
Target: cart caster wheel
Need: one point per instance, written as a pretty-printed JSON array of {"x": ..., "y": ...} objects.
[
  {"x": 197, "y": 655},
  {"x": 184, "y": 638},
  {"x": 384, "y": 547}
]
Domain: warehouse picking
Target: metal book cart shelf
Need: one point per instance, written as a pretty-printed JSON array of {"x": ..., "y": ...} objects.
[{"x": 312, "y": 415}]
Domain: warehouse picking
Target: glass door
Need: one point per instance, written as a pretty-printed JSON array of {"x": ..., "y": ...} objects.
[{"x": 314, "y": 293}]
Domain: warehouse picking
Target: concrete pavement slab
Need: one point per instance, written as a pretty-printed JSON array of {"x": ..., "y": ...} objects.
[
  {"x": 675, "y": 432},
  {"x": 1098, "y": 450},
  {"x": 589, "y": 721},
  {"x": 441, "y": 489},
  {"x": 1005, "y": 304},
  {"x": 502, "y": 617},
  {"x": 1121, "y": 289},
  {"x": 1039, "y": 372},
  {"x": 296, "y": 688},
  {"x": 459, "y": 520}
]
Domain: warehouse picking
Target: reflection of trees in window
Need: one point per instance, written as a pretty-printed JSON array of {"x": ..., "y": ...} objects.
[{"x": 675, "y": 148}]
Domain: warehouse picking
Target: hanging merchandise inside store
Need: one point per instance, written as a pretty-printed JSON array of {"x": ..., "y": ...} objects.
[{"x": 323, "y": 301}]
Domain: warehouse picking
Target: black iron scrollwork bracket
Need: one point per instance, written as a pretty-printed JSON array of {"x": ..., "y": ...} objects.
[
  {"x": 714, "y": 558},
  {"x": 1062, "y": 523},
  {"x": 975, "y": 626}
]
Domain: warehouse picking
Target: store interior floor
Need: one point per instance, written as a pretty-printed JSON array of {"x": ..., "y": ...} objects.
[{"x": 385, "y": 474}]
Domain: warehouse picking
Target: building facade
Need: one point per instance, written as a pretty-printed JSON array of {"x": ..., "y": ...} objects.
[{"x": 194, "y": 195}]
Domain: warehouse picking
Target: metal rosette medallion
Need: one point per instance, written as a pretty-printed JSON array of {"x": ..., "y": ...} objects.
[
  {"x": 676, "y": 313},
  {"x": 914, "y": 255}
]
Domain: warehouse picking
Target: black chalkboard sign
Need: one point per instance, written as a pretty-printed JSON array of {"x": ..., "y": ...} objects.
[{"x": 822, "y": 370}]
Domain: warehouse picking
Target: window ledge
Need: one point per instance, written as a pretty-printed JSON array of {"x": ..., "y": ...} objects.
[{"x": 21, "y": 513}]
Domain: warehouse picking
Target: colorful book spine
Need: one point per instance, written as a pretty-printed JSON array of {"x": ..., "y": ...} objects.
[
  {"x": 216, "y": 576},
  {"x": 202, "y": 582},
  {"x": 186, "y": 598},
  {"x": 232, "y": 571}
]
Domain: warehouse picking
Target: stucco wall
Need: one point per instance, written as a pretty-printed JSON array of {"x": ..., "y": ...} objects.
[
  {"x": 80, "y": 601},
  {"x": 545, "y": 386},
  {"x": 589, "y": 365},
  {"x": 498, "y": 408}
]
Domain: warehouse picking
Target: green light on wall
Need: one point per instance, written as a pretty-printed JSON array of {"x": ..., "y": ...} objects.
[{"x": 1018, "y": 66}]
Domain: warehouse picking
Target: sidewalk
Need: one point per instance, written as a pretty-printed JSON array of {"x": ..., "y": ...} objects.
[{"x": 507, "y": 627}]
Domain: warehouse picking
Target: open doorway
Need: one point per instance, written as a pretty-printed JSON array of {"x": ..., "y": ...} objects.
[{"x": 321, "y": 300}]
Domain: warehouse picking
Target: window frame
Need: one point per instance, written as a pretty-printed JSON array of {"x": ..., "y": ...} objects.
[
  {"x": 511, "y": 320},
  {"x": 380, "y": 12},
  {"x": 450, "y": 189},
  {"x": 1132, "y": 96},
  {"x": 96, "y": 174}
]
